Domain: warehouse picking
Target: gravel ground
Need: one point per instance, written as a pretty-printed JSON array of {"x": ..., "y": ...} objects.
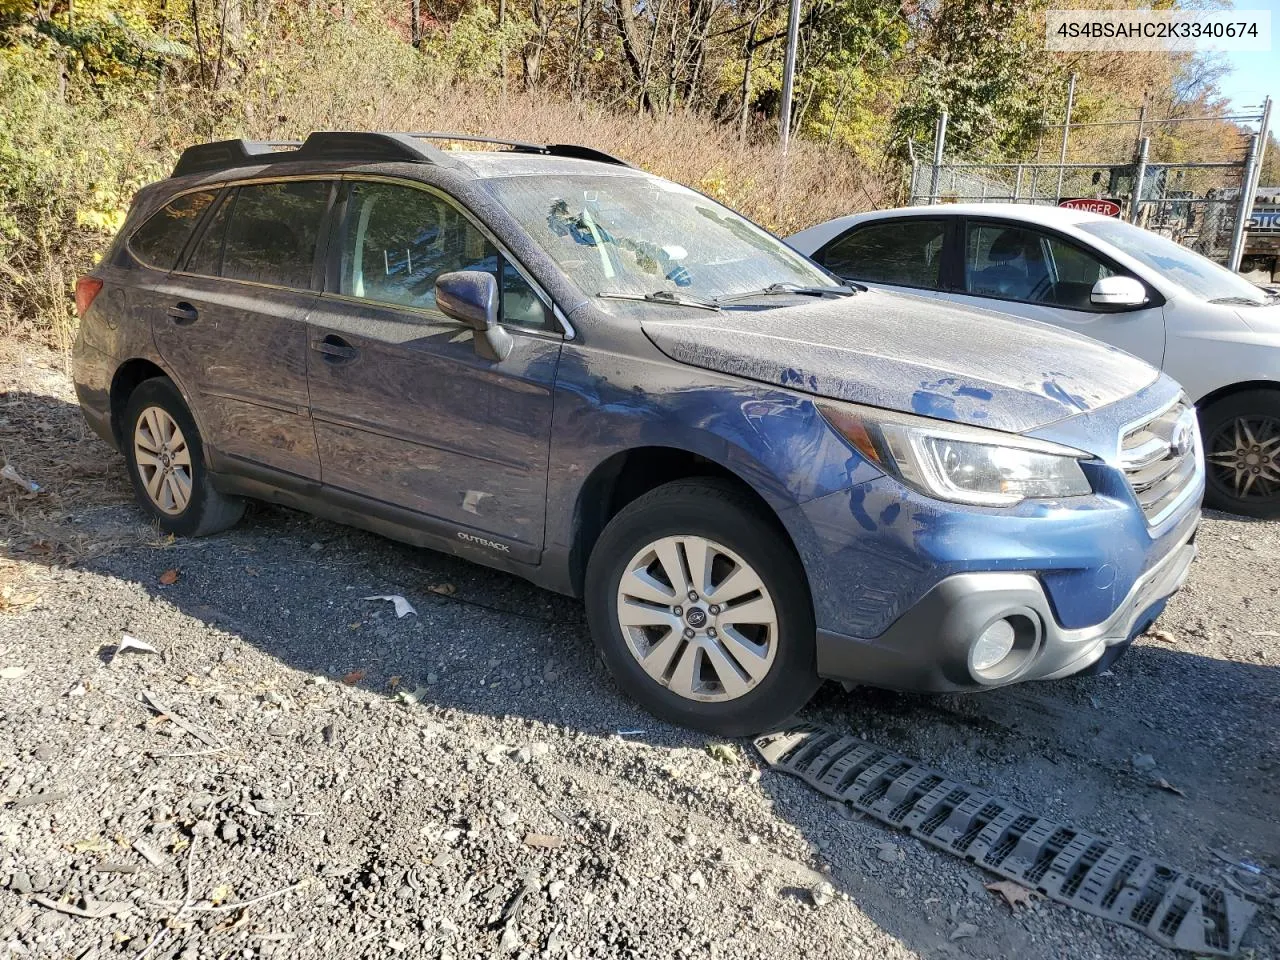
[{"x": 314, "y": 776}]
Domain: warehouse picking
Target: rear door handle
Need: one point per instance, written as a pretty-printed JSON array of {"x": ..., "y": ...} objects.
[
  {"x": 183, "y": 313},
  {"x": 335, "y": 350}
]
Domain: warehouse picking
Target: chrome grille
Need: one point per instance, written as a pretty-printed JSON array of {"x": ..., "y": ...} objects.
[{"x": 1161, "y": 458}]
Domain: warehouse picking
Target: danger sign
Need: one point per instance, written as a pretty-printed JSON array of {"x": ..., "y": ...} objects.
[{"x": 1108, "y": 208}]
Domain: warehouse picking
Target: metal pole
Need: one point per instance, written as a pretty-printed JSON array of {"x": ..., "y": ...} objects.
[
  {"x": 1139, "y": 175},
  {"x": 939, "y": 144},
  {"x": 1246, "y": 205},
  {"x": 1017, "y": 184},
  {"x": 1263, "y": 127},
  {"x": 789, "y": 73},
  {"x": 1066, "y": 132}
]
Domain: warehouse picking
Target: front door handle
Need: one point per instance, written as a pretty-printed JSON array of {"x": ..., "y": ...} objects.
[
  {"x": 183, "y": 313},
  {"x": 334, "y": 349}
]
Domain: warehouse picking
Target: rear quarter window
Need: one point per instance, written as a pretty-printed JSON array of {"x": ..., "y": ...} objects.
[{"x": 159, "y": 241}]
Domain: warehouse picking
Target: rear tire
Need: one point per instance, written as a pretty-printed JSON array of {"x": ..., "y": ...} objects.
[
  {"x": 1242, "y": 454},
  {"x": 165, "y": 455},
  {"x": 729, "y": 649}
]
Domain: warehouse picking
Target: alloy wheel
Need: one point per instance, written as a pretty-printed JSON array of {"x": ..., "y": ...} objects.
[
  {"x": 697, "y": 618},
  {"x": 164, "y": 460},
  {"x": 1244, "y": 456}
]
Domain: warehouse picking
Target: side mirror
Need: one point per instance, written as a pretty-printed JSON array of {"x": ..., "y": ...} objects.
[
  {"x": 471, "y": 297},
  {"x": 1118, "y": 292}
]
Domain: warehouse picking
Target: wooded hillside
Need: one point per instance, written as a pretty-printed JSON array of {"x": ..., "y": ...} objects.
[{"x": 98, "y": 96}]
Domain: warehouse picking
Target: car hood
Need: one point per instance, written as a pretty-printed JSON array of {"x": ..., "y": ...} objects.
[{"x": 911, "y": 355}]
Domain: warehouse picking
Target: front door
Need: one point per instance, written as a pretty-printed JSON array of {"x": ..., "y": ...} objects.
[
  {"x": 405, "y": 411},
  {"x": 232, "y": 324},
  {"x": 1017, "y": 269}
]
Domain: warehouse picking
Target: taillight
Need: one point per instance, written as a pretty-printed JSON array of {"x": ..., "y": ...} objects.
[{"x": 86, "y": 289}]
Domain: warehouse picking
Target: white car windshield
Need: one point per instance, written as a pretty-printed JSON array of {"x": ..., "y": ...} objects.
[
  {"x": 642, "y": 235},
  {"x": 1200, "y": 275}
]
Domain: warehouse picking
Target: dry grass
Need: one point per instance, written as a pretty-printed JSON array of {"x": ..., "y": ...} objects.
[
  {"x": 44, "y": 438},
  {"x": 814, "y": 183}
]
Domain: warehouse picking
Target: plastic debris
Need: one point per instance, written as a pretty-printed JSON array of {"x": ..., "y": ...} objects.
[
  {"x": 12, "y": 673},
  {"x": 9, "y": 473},
  {"x": 403, "y": 606},
  {"x": 128, "y": 643}
]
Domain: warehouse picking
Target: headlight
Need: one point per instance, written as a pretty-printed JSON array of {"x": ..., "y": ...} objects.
[{"x": 960, "y": 463}]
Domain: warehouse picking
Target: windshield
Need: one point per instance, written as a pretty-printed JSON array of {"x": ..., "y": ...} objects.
[
  {"x": 1200, "y": 275},
  {"x": 643, "y": 235}
]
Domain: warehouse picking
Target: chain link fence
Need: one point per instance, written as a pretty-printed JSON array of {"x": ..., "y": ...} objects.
[{"x": 1204, "y": 205}]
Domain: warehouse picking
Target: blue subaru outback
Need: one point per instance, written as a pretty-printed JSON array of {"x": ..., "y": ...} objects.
[{"x": 543, "y": 360}]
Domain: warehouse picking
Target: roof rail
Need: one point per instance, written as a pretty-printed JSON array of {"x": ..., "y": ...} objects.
[
  {"x": 324, "y": 145},
  {"x": 572, "y": 150},
  {"x": 358, "y": 147}
]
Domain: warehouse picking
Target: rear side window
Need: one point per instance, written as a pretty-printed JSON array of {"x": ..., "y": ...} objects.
[
  {"x": 272, "y": 231},
  {"x": 160, "y": 240},
  {"x": 904, "y": 252},
  {"x": 398, "y": 240}
]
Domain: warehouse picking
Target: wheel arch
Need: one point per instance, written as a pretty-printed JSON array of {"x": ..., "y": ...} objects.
[
  {"x": 629, "y": 474},
  {"x": 127, "y": 378},
  {"x": 1233, "y": 388}
]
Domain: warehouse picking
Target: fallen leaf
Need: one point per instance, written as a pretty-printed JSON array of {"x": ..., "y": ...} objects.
[
  {"x": 1013, "y": 893},
  {"x": 444, "y": 589},
  {"x": 964, "y": 930},
  {"x": 724, "y": 752},
  {"x": 1164, "y": 784},
  {"x": 169, "y": 577},
  {"x": 91, "y": 845},
  {"x": 12, "y": 673},
  {"x": 354, "y": 677},
  {"x": 543, "y": 840}
]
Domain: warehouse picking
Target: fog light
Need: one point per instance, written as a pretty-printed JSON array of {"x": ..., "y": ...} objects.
[{"x": 993, "y": 646}]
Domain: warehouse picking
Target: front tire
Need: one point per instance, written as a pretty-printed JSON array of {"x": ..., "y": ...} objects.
[
  {"x": 165, "y": 456},
  {"x": 1242, "y": 454},
  {"x": 700, "y": 609}
]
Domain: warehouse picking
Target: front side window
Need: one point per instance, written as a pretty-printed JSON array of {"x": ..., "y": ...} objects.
[
  {"x": 903, "y": 252},
  {"x": 398, "y": 240},
  {"x": 271, "y": 233},
  {"x": 160, "y": 240},
  {"x": 637, "y": 235},
  {"x": 1015, "y": 263}
]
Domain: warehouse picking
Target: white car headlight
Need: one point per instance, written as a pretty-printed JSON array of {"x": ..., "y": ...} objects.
[{"x": 960, "y": 463}]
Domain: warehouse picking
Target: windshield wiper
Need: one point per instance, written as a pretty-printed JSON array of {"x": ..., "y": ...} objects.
[
  {"x": 789, "y": 289},
  {"x": 664, "y": 296}
]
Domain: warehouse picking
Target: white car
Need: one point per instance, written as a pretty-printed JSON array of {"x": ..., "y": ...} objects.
[{"x": 1213, "y": 331}]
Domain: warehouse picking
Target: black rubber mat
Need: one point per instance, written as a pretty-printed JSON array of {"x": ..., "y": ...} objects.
[{"x": 1097, "y": 876}]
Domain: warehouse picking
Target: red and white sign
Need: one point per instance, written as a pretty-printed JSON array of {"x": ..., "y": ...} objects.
[{"x": 1108, "y": 208}]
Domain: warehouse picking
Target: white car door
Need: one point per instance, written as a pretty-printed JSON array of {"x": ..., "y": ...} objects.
[{"x": 1037, "y": 274}]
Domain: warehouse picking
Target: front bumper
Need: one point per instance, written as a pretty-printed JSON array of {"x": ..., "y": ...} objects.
[{"x": 928, "y": 647}]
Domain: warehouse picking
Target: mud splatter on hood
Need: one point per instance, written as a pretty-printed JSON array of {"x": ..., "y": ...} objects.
[{"x": 912, "y": 355}]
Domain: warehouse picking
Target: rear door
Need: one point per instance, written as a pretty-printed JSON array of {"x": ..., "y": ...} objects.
[
  {"x": 233, "y": 325},
  {"x": 406, "y": 412},
  {"x": 1041, "y": 275}
]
